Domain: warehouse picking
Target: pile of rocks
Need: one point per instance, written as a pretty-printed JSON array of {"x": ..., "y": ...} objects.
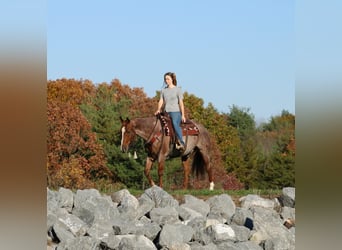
[{"x": 86, "y": 219}]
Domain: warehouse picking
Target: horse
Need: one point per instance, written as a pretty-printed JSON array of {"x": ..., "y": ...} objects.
[{"x": 159, "y": 137}]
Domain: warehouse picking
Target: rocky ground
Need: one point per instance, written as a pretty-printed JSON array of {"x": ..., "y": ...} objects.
[{"x": 86, "y": 219}]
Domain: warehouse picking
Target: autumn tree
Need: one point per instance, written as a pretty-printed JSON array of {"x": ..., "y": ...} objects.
[
  {"x": 74, "y": 158},
  {"x": 140, "y": 104},
  {"x": 74, "y": 92}
]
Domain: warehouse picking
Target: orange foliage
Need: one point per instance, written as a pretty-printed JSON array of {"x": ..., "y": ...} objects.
[
  {"x": 74, "y": 158},
  {"x": 71, "y": 91},
  {"x": 141, "y": 105}
]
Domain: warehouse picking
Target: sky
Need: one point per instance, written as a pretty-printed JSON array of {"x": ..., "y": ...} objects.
[{"x": 226, "y": 52}]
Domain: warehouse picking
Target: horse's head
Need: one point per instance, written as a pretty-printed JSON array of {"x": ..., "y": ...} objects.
[{"x": 127, "y": 134}]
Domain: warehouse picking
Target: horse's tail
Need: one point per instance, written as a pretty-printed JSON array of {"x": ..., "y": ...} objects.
[{"x": 198, "y": 165}]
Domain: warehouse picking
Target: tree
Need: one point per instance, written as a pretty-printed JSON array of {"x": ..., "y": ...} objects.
[
  {"x": 246, "y": 169},
  {"x": 242, "y": 120},
  {"x": 104, "y": 114},
  {"x": 74, "y": 158},
  {"x": 277, "y": 166},
  {"x": 70, "y": 91}
]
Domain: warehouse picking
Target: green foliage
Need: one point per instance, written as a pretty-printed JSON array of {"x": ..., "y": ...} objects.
[
  {"x": 104, "y": 114},
  {"x": 242, "y": 120},
  {"x": 277, "y": 166}
]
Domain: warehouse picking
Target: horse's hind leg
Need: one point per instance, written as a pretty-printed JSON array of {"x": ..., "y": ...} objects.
[
  {"x": 161, "y": 172},
  {"x": 148, "y": 166},
  {"x": 186, "y": 167},
  {"x": 208, "y": 168}
]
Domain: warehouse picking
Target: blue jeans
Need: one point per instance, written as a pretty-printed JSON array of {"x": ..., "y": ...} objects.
[{"x": 176, "y": 119}]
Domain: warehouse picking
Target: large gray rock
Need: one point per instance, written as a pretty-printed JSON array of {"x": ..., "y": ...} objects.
[
  {"x": 243, "y": 217},
  {"x": 221, "y": 207},
  {"x": 66, "y": 199},
  {"x": 248, "y": 245},
  {"x": 101, "y": 230},
  {"x": 178, "y": 246},
  {"x": 80, "y": 243},
  {"x": 197, "y": 246},
  {"x": 242, "y": 233},
  {"x": 135, "y": 242},
  {"x": 172, "y": 235},
  {"x": 90, "y": 206},
  {"x": 188, "y": 214},
  {"x": 196, "y": 204},
  {"x": 252, "y": 200},
  {"x": 221, "y": 232},
  {"x": 269, "y": 227},
  {"x": 146, "y": 204},
  {"x": 287, "y": 199},
  {"x": 164, "y": 215},
  {"x": 128, "y": 204},
  {"x": 72, "y": 224},
  {"x": 159, "y": 197},
  {"x": 147, "y": 228},
  {"x": 52, "y": 201},
  {"x": 85, "y": 203},
  {"x": 288, "y": 213}
]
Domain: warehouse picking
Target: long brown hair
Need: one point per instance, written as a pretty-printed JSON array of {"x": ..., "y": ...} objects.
[{"x": 173, "y": 77}]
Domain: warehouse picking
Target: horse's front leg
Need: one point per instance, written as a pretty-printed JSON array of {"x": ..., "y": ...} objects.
[
  {"x": 148, "y": 166},
  {"x": 164, "y": 151}
]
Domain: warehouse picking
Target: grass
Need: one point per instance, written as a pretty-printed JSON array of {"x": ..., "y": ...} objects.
[{"x": 205, "y": 194}]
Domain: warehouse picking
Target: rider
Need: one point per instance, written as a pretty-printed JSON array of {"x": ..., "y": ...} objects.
[{"x": 172, "y": 97}]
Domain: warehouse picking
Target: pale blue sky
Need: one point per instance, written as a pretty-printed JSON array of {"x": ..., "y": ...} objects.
[{"x": 226, "y": 52}]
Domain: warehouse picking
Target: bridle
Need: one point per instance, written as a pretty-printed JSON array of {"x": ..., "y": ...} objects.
[{"x": 154, "y": 136}]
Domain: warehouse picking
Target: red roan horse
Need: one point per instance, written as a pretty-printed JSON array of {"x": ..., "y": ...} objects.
[{"x": 160, "y": 144}]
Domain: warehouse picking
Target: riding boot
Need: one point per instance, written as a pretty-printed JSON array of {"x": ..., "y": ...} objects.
[{"x": 180, "y": 146}]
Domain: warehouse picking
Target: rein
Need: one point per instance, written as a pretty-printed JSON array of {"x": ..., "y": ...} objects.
[{"x": 150, "y": 139}]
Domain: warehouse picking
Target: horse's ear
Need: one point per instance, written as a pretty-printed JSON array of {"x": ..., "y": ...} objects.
[
  {"x": 121, "y": 119},
  {"x": 127, "y": 119}
]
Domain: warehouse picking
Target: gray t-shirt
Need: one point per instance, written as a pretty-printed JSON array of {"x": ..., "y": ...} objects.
[{"x": 171, "y": 98}]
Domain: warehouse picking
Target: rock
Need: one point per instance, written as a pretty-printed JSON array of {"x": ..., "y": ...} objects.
[{"x": 86, "y": 219}]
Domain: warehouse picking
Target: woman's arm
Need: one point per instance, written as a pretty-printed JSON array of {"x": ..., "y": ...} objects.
[
  {"x": 160, "y": 104},
  {"x": 181, "y": 106}
]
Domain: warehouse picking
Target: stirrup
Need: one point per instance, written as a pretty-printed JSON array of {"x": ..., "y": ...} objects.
[{"x": 180, "y": 146}]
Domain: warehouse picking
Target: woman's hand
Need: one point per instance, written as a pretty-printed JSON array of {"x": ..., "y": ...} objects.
[{"x": 183, "y": 119}]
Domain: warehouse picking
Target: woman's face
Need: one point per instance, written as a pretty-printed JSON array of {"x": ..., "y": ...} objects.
[{"x": 168, "y": 80}]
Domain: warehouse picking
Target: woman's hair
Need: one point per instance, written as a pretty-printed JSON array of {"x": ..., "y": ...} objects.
[{"x": 173, "y": 77}]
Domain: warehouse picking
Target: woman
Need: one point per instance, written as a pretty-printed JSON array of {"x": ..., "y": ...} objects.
[{"x": 172, "y": 97}]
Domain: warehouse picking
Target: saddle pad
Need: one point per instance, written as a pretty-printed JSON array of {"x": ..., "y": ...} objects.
[{"x": 189, "y": 129}]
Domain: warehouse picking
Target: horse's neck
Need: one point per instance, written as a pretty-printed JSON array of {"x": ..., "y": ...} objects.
[{"x": 145, "y": 127}]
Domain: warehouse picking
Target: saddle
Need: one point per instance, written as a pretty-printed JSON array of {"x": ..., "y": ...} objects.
[{"x": 188, "y": 128}]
